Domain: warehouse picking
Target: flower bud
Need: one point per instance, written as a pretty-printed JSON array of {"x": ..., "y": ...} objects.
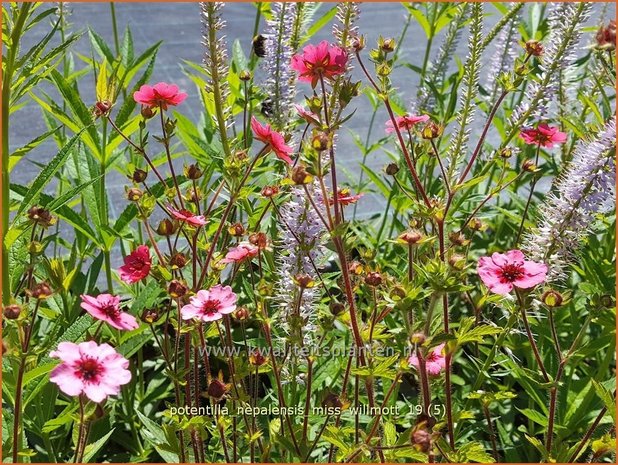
[
  {"x": 217, "y": 389},
  {"x": 411, "y": 237},
  {"x": 304, "y": 281},
  {"x": 606, "y": 36},
  {"x": 257, "y": 359},
  {"x": 236, "y": 230},
  {"x": 193, "y": 172},
  {"x": 332, "y": 401},
  {"x": 383, "y": 70},
  {"x": 458, "y": 239},
  {"x": 421, "y": 439},
  {"x": 397, "y": 293},
  {"x": 176, "y": 289},
  {"x": 505, "y": 152},
  {"x": 35, "y": 248},
  {"x": 392, "y": 169},
  {"x": 387, "y": 45},
  {"x": 259, "y": 239},
  {"x": 320, "y": 141},
  {"x": 356, "y": 268},
  {"x": 166, "y": 227},
  {"x": 270, "y": 191},
  {"x": 418, "y": 338},
  {"x": 41, "y": 216},
  {"x": 241, "y": 314},
  {"x": 552, "y": 298},
  {"x": 529, "y": 166},
  {"x": 150, "y": 315},
  {"x": 607, "y": 301},
  {"x": 134, "y": 194},
  {"x": 431, "y": 131},
  {"x": 534, "y": 48},
  {"x": 373, "y": 279},
  {"x": 40, "y": 291},
  {"x": 300, "y": 176},
  {"x": 457, "y": 261},
  {"x": 102, "y": 108},
  {"x": 336, "y": 308},
  {"x": 12, "y": 312},
  {"x": 139, "y": 176},
  {"x": 476, "y": 224},
  {"x": 358, "y": 43},
  {"x": 178, "y": 261},
  {"x": 245, "y": 75},
  {"x": 147, "y": 112}
]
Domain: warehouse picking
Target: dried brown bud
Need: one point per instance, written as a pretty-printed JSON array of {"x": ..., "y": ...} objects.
[
  {"x": 40, "y": 291},
  {"x": 150, "y": 315},
  {"x": 476, "y": 224},
  {"x": 257, "y": 359},
  {"x": 166, "y": 227},
  {"x": 139, "y": 176},
  {"x": 421, "y": 439},
  {"x": 457, "y": 238},
  {"x": 217, "y": 389},
  {"x": 245, "y": 75},
  {"x": 41, "y": 216},
  {"x": 534, "y": 48},
  {"x": 193, "y": 172},
  {"x": 392, "y": 169},
  {"x": 332, "y": 401},
  {"x": 337, "y": 308},
  {"x": 134, "y": 194},
  {"x": 176, "y": 289},
  {"x": 270, "y": 191},
  {"x": 236, "y": 230},
  {"x": 304, "y": 281},
  {"x": 11, "y": 312},
  {"x": 373, "y": 279},
  {"x": 457, "y": 261},
  {"x": 418, "y": 338},
  {"x": 356, "y": 268},
  {"x": 529, "y": 166},
  {"x": 259, "y": 239},
  {"x": 241, "y": 314},
  {"x": 411, "y": 237},
  {"x": 320, "y": 141},
  {"x": 358, "y": 43},
  {"x": 300, "y": 176},
  {"x": 147, "y": 112},
  {"x": 178, "y": 261},
  {"x": 606, "y": 36},
  {"x": 102, "y": 108}
]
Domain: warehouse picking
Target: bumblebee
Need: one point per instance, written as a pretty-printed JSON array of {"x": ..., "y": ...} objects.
[
  {"x": 267, "y": 107},
  {"x": 259, "y": 45}
]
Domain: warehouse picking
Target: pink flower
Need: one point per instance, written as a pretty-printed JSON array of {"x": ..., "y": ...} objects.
[
  {"x": 345, "y": 197},
  {"x": 544, "y": 135},
  {"x": 434, "y": 363},
  {"x": 243, "y": 251},
  {"x": 87, "y": 368},
  {"x": 322, "y": 60},
  {"x": 272, "y": 138},
  {"x": 501, "y": 272},
  {"x": 406, "y": 122},
  {"x": 159, "y": 95},
  {"x": 136, "y": 265},
  {"x": 106, "y": 307},
  {"x": 210, "y": 305},
  {"x": 188, "y": 217},
  {"x": 309, "y": 116}
]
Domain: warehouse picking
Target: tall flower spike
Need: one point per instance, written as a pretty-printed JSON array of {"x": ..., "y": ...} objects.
[
  {"x": 302, "y": 246},
  {"x": 344, "y": 28},
  {"x": 436, "y": 70},
  {"x": 585, "y": 189},
  {"x": 215, "y": 59},
  {"x": 566, "y": 21},
  {"x": 281, "y": 82}
]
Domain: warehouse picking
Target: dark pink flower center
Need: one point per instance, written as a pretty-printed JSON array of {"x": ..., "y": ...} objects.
[
  {"x": 110, "y": 310},
  {"x": 511, "y": 272},
  {"x": 89, "y": 369},
  {"x": 210, "y": 307}
]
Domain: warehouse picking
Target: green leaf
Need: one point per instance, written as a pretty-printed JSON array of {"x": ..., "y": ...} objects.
[
  {"x": 606, "y": 397},
  {"x": 63, "y": 199},
  {"x": 155, "y": 435},
  {"x": 92, "y": 449},
  {"x": 20, "y": 152},
  {"x": 46, "y": 174}
]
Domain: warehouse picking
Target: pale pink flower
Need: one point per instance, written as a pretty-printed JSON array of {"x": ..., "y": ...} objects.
[
  {"x": 406, "y": 122},
  {"x": 106, "y": 307},
  {"x": 322, "y": 60},
  {"x": 273, "y": 139},
  {"x": 211, "y": 304},
  {"x": 188, "y": 217},
  {"x": 501, "y": 272},
  {"x": 544, "y": 135},
  {"x": 435, "y": 361},
  {"x": 309, "y": 116},
  {"x": 136, "y": 265},
  {"x": 159, "y": 95},
  {"x": 243, "y": 251},
  {"x": 88, "y": 368}
]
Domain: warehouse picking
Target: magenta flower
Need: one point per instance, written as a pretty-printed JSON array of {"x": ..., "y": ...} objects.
[
  {"x": 345, "y": 197},
  {"x": 501, "y": 272},
  {"x": 435, "y": 361},
  {"x": 87, "y": 368},
  {"x": 322, "y": 60},
  {"x": 243, "y": 251},
  {"x": 188, "y": 217},
  {"x": 406, "y": 122},
  {"x": 159, "y": 95},
  {"x": 273, "y": 139},
  {"x": 136, "y": 265},
  {"x": 210, "y": 305},
  {"x": 106, "y": 307},
  {"x": 544, "y": 135}
]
